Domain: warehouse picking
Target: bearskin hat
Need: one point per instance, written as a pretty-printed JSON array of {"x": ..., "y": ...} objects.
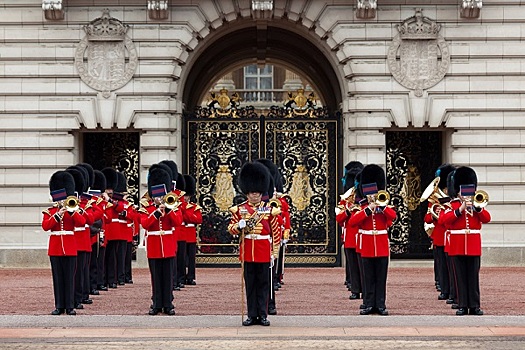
[
  {"x": 443, "y": 172},
  {"x": 173, "y": 168},
  {"x": 99, "y": 181},
  {"x": 275, "y": 173},
  {"x": 254, "y": 177},
  {"x": 450, "y": 185},
  {"x": 373, "y": 173},
  {"x": 181, "y": 183},
  {"x": 158, "y": 177},
  {"x": 78, "y": 177},
  {"x": 89, "y": 169},
  {"x": 464, "y": 176},
  {"x": 357, "y": 184},
  {"x": 84, "y": 175},
  {"x": 191, "y": 187},
  {"x": 122, "y": 184},
  {"x": 351, "y": 170},
  {"x": 62, "y": 180},
  {"x": 111, "y": 178},
  {"x": 164, "y": 167}
]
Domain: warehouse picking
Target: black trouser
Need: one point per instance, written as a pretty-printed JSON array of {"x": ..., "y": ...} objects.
[
  {"x": 280, "y": 263},
  {"x": 451, "y": 278},
  {"x": 161, "y": 271},
  {"x": 115, "y": 261},
  {"x": 436, "y": 268},
  {"x": 272, "y": 281},
  {"x": 191, "y": 253},
  {"x": 97, "y": 271},
  {"x": 180, "y": 273},
  {"x": 257, "y": 284},
  {"x": 348, "y": 276},
  {"x": 63, "y": 271},
  {"x": 467, "y": 275},
  {"x": 353, "y": 266},
  {"x": 375, "y": 271},
  {"x": 442, "y": 267},
  {"x": 361, "y": 274},
  {"x": 128, "y": 274},
  {"x": 80, "y": 275}
]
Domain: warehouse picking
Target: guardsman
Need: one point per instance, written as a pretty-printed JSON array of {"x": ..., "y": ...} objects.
[
  {"x": 438, "y": 200},
  {"x": 346, "y": 207},
  {"x": 82, "y": 239},
  {"x": 450, "y": 262},
  {"x": 192, "y": 217},
  {"x": 159, "y": 217},
  {"x": 113, "y": 235},
  {"x": 257, "y": 225},
  {"x": 60, "y": 221},
  {"x": 373, "y": 220},
  {"x": 180, "y": 259},
  {"x": 464, "y": 220},
  {"x": 98, "y": 246}
]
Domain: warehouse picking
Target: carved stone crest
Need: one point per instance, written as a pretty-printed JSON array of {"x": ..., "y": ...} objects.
[
  {"x": 418, "y": 57},
  {"x": 106, "y": 58}
]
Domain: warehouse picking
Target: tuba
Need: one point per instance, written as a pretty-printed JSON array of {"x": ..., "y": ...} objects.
[{"x": 433, "y": 194}]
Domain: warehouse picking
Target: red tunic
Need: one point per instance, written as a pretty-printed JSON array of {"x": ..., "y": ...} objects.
[
  {"x": 192, "y": 216},
  {"x": 161, "y": 235},
  {"x": 465, "y": 230},
  {"x": 350, "y": 232},
  {"x": 439, "y": 231},
  {"x": 373, "y": 231},
  {"x": 83, "y": 233},
  {"x": 62, "y": 241},
  {"x": 114, "y": 228},
  {"x": 285, "y": 215},
  {"x": 263, "y": 242}
]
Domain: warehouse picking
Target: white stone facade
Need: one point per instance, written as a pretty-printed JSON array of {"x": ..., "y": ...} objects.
[{"x": 44, "y": 105}]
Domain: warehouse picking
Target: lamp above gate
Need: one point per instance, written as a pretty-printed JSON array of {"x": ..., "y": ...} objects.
[
  {"x": 262, "y": 9},
  {"x": 470, "y": 8},
  {"x": 158, "y": 9},
  {"x": 366, "y": 9},
  {"x": 53, "y": 9}
]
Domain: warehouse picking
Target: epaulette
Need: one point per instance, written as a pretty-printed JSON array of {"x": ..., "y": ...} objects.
[
  {"x": 144, "y": 202},
  {"x": 189, "y": 205},
  {"x": 143, "y": 210},
  {"x": 234, "y": 209},
  {"x": 46, "y": 212},
  {"x": 100, "y": 199},
  {"x": 87, "y": 206},
  {"x": 275, "y": 211},
  {"x": 197, "y": 207},
  {"x": 363, "y": 201}
]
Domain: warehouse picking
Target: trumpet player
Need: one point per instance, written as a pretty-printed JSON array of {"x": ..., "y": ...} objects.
[
  {"x": 259, "y": 228},
  {"x": 373, "y": 221},
  {"x": 438, "y": 201},
  {"x": 160, "y": 222},
  {"x": 62, "y": 249},
  {"x": 464, "y": 220}
]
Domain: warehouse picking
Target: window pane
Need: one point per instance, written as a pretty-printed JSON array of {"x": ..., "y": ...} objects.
[
  {"x": 266, "y": 70},
  {"x": 266, "y": 83},
  {"x": 250, "y": 70},
  {"x": 250, "y": 83}
]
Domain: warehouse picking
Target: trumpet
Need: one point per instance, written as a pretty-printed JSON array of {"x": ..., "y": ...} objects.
[
  {"x": 171, "y": 201},
  {"x": 382, "y": 198},
  {"x": 71, "y": 203},
  {"x": 481, "y": 199}
]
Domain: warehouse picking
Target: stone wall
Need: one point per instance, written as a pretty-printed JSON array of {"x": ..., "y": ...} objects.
[{"x": 44, "y": 105}]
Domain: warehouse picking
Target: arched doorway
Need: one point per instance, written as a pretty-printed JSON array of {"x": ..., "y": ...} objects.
[{"x": 304, "y": 142}]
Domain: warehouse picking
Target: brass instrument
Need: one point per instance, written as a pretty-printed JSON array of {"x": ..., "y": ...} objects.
[
  {"x": 274, "y": 202},
  {"x": 382, "y": 198},
  {"x": 433, "y": 194},
  {"x": 171, "y": 201},
  {"x": 481, "y": 199},
  {"x": 71, "y": 203}
]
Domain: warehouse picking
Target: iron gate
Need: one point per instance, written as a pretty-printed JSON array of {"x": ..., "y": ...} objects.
[{"x": 304, "y": 146}]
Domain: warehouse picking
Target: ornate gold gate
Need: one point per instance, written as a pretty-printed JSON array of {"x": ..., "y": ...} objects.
[{"x": 303, "y": 145}]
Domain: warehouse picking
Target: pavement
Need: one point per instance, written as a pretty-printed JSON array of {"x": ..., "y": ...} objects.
[{"x": 286, "y": 332}]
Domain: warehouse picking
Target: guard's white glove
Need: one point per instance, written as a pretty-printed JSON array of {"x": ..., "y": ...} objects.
[
  {"x": 242, "y": 224},
  {"x": 284, "y": 241},
  {"x": 272, "y": 259}
]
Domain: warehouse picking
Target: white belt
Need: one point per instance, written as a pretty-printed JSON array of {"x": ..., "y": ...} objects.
[
  {"x": 464, "y": 231},
  {"x": 190, "y": 225},
  {"x": 61, "y": 233},
  {"x": 373, "y": 232},
  {"x": 78, "y": 229},
  {"x": 130, "y": 225},
  {"x": 257, "y": 237},
  {"x": 118, "y": 220},
  {"x": 160, "y": 233}
]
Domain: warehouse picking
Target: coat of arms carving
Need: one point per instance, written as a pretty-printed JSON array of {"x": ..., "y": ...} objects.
[
  {"x": 418, "y": 57},
  {"x": 106, "y": 58}
]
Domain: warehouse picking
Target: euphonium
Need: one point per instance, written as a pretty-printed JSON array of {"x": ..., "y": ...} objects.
[
  {"x": 433, "y": 193},
  {"x": 71, "y": 203},
  {"x": 481, "y": 199},
  {"x": 382, "y": 198},
  {"x": 171, "y": 201}
]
